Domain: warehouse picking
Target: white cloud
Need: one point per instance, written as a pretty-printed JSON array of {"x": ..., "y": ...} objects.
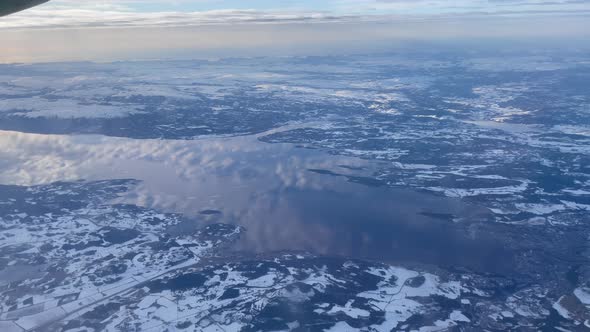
[
  {"x": 75, "y": 18},
  {"x": 125, "y": 13},
  {"x": 110, "y": 30}
]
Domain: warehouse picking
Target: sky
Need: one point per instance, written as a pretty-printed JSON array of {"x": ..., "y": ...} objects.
[{"x": 115, "y": 29}]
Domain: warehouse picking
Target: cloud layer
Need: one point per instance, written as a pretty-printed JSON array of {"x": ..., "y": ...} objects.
[
  {"x": 138, "y": 29},
  {"x": 134, "y": 13}
]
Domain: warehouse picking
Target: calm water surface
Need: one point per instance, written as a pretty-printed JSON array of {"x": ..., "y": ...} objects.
[{"x": 287, "y": 198}]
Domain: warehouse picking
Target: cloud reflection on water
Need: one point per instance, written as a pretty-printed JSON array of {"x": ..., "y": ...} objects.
[{"x": 267, "y": 188}]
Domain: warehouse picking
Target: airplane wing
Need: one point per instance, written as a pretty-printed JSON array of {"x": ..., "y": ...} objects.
[{"x": 8, "y": 7}]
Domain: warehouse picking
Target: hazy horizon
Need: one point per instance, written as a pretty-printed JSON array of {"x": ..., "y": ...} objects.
[{"x": 123, "y": 30}]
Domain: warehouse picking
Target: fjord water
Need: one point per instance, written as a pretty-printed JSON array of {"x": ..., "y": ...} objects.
[{"x": 287, "y": 198}]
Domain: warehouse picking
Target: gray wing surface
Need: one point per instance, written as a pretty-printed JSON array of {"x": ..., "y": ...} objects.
[{"x": 8, "y": 7}]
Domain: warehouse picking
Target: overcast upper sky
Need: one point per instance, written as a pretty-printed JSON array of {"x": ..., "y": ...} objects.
[{"x": 105, "y": 29}]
